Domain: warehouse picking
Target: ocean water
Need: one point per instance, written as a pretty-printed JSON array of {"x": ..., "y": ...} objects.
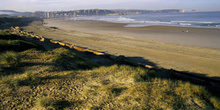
[{"x": 197, "y": 19}]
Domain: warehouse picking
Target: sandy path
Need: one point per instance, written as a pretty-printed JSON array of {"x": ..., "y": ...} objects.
[{"x": 117, "y": 40}]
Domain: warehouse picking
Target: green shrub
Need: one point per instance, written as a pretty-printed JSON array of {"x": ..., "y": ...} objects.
[{"x": 10, "y": 59}]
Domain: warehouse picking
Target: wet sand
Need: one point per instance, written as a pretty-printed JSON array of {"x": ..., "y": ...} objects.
[{"x": 184, "y": 49}]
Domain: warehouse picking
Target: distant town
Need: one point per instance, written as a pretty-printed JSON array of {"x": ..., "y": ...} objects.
[{"x": 87, "y": 12}]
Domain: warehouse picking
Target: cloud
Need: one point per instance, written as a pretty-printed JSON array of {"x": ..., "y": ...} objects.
[{"x": 50, "y": 5}]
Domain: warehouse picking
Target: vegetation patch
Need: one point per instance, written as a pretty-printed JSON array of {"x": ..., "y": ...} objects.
[
  {"x": 60, "y": 79},
  {"x": 10, "y": 59},
  {"x": 26, "y": 79},
  {"x": 67, "y": 60},
  {"x": 29, "y": 78},
  {"x": 10, "y": 81},
  {"x": 17, "y": 45},
  {"x": 10, "y": 42},
  {"x": 49, "y": 103}
]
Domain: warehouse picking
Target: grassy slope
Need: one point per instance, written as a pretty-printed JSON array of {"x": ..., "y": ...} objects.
[{"x": 60, "y": 79}]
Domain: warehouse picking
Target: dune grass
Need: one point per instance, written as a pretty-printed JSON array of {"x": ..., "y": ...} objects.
[
  {"x": 60, "y": 79},
  {"x": 44, "y": 102},
  {"x": 10, "y": 81},
  {"x": 27, "y": 79},
  {"x": 17, "y": 45},
  {"x": 10, "y": 42},
  {"x": 66, "y": 59},
  {"x": 114, "y": 87},
  {"x": 2, "y": 32},
  {"x": 5, "y": 35},
  {"x": 9, "y": 59},
  {"x": 125, "y": 87}
]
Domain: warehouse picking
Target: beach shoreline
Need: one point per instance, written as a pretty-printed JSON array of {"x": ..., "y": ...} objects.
[
  {"x": 189, "y": 36},
  {"x": 148, "y": 43}
]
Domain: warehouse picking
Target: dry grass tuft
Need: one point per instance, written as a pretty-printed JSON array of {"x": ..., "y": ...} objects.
[
  {"x": 10, "y": 59},
  {"x": 26, "y": 79},
  {"x": 45, "y": 103},
  {"x": 11, "y": 81},
  {"x": 215, "y": 102},
  {"x": 118, "y": 87}
]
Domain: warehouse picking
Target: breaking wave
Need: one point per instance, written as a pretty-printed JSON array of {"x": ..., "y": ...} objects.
[{"x": 207, "y": 20}]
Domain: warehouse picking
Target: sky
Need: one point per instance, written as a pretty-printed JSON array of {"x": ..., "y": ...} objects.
[{"x": 65, "y": 5}]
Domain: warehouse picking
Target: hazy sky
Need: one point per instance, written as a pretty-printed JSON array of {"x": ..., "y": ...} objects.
[{"x": 57, "y": 5}]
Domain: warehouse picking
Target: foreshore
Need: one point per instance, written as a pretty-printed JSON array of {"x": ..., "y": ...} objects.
[
  {"x": 199, "y": 37},
  {"x": 184, "y": 49}
]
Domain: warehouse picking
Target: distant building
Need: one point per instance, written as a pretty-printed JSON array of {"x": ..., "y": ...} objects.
[
  {"x": 96, "y": 12},
  {"x": 182, "y": 11},
  {"x": 193, "y": 10}
]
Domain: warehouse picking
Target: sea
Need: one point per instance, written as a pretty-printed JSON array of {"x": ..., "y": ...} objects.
[{"x": 188, "y": 19}]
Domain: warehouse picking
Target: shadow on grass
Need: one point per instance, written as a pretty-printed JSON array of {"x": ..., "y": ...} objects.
[
  {"x": 210, "y": 83},
  {"x": 61, "y": 104},
  {"x": 10, "y": 71},
  {"x": 11, "y": 42},
  {"x": 9, "y": 37},
  {"x": 51, "y": 104}
]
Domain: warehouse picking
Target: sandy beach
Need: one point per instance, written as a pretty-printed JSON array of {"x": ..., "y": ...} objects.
[{"x": 181, "y": 48}]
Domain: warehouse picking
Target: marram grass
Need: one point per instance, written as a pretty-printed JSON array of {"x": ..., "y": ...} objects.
[
  {"x": 60, "y": 79},
  {"x": 10, "y": 59},
  {"x": 125, "y": 87}
]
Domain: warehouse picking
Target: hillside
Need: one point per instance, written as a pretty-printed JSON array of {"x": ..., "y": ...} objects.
[
  {"x": 7, "y": 22},
  {"x": 35, "y": 78},
  {"x": 12, "y": 13}
]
